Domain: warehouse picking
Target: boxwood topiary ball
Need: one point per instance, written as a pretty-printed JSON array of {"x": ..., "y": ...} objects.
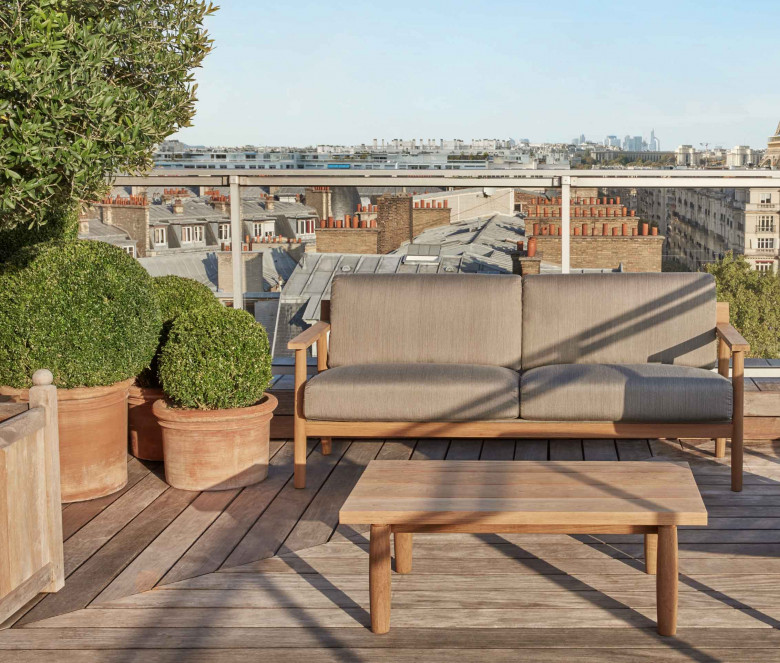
[
  {"x": 85, "y": 310},
  {"x": 175, "y": 295},
  {"x": 215, "y": 360}
]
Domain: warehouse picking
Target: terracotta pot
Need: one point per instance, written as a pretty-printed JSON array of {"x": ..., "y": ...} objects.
[
  {"x": 215, "y": 449},
  {"x": 145, "y": 432},
  {"x": 93, "y": 438}
]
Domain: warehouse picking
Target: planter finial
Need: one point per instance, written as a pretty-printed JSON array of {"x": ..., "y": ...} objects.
[{"x": 42, "y": 377}]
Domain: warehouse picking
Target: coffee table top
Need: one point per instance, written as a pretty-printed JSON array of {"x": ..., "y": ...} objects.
[{"x": 582, "y": 493}]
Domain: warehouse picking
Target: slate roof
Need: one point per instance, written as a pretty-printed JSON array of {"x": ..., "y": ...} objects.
[
  {"x": 485, "y": 241},
  {"x": 198, "y": 265},
  {"x": 110, "y": 234},
  {"x": 278, "y": 266}
]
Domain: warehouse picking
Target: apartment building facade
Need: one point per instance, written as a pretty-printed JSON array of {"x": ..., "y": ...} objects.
[{"x": 702, "y": 225}]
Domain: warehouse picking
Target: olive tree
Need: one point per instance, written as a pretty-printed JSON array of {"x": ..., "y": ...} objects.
[
  {"x": 87, "y": 89},
  {"x": 754, "y": 302}
]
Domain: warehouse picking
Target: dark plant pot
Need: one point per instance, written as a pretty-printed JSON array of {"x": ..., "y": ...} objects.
[
  {"x": 215, "y": 449},
  {"x": 145, "y": 432}
]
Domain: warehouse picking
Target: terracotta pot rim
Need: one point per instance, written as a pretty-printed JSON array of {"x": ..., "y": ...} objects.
[
  {"x": 75, "y": 393},
  {"x": 164, "y": 412}
]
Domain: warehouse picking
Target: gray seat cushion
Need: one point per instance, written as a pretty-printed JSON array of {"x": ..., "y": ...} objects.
[
  {"x": 624, "y": 392},
  {"x": 413, "y": 392}
]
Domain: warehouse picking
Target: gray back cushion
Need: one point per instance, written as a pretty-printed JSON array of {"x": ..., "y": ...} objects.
[
  {"x": 426, "y": 318},
  {"x": 619, "y": 319}
]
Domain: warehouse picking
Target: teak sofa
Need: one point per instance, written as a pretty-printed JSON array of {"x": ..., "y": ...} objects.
[{"x": 546, "y": 356}]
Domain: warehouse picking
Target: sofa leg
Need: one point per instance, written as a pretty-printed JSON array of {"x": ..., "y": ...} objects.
[
  {"x": 737, "y": 436},
  {"x": 299, "y": 460},
  {"x": 720, "y": 447},
  {"x": 736, "y": 460},
  {"x": 327, "y": 445}
]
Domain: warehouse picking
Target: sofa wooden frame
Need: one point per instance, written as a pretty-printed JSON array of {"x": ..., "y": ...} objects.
[{"x": 731, "y": 347}]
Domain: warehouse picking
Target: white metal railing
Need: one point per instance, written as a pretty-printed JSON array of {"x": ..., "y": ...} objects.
[{"x": 563, "y": 179}]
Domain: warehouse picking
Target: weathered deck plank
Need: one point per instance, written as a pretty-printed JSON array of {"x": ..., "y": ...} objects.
[
  {"x": 275, "y": 524},
  {"x": 218, "y": 541},
  {"x": 556, "y": 639},
  {"x": 90, "y": 578}
]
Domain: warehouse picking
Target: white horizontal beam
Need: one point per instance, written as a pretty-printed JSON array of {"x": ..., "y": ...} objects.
[
  {"x": 477, "y": 178},
  {"x": 678, "y": 182}
]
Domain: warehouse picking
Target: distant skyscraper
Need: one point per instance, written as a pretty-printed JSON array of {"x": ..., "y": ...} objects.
[
  {"x": 612, "y": 141},
  {"x": 655, "y": 144},
  {"x": 633, "y": 144}
]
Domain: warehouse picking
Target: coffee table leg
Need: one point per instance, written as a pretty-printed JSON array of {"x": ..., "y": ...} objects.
[
  {"x": 666, "y": 580},
  {"x": 379, "y": 578},
  {"x": 651, "y": 553},
  {"x": 403, "y": 552}
]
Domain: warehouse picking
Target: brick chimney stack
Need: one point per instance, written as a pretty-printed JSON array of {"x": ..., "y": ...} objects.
[
  {"x": 178, "y": 206},
  {"x": 394, "y": 221},
  {"x": 269, "y": 204}
]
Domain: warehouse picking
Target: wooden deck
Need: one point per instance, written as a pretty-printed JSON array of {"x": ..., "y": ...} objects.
[{"x": 264, "y": 573}]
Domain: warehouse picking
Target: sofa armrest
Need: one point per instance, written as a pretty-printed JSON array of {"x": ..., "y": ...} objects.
[
  {"x": 731, "y": 337},
  {"x": 309, "y": 336}
]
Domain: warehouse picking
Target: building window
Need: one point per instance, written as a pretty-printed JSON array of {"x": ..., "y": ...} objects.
[
  {"x": 197, "y": 233},
  {"x": 186, "y": 234},
  {"x": 224, "y": 231},
  {"x": 766, "y": 242},
  {"x": 765, "y": 224},
  {"x": 130, "y": 250},
  {"x": 763, "y": 267},
  {"x": 765, "y": 198},
  {"x": 257, "y": 229},
  {"x": 160, "y": 236}
]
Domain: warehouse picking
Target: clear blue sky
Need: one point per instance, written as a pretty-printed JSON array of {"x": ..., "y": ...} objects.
[{"x": 300, "y": 73}]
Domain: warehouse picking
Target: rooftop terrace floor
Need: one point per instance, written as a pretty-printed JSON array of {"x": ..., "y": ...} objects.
[{"x": 266, "y": 574}]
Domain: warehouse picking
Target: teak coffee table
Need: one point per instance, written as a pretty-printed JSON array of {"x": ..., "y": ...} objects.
[{"x": 402, "y": 497}]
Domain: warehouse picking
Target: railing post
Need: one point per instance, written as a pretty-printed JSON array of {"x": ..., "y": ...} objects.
[
  {"x": 236, "y": 237},
  {"x": 565, "y": 223},
  {"x": 44, "y": 395}
]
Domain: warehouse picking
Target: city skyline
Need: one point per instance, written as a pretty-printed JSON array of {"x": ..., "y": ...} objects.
[{"x": 306, "y": 73}]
